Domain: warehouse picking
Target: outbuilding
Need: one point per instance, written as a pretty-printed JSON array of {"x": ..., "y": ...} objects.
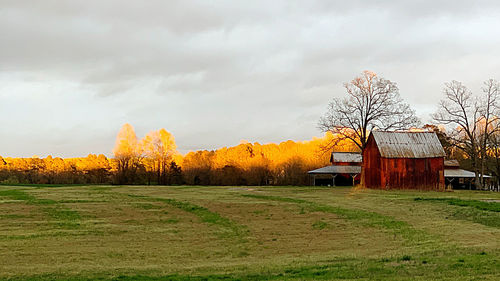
[
  {"x": 457, "y": 178},
  {"x": 345, "y": 169},
  {"x": 403, "y": 160}
]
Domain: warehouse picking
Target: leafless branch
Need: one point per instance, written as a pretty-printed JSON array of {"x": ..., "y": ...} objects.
[{"x": 372, "y": 103}]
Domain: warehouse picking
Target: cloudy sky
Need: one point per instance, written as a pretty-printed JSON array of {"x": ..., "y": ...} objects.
[{"x": 216, "y": 72}]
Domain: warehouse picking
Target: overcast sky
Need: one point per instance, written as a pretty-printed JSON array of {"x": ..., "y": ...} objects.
[{"x": 216, "y": 72}]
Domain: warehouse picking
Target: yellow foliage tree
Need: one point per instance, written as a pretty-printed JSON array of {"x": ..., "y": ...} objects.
[
  {"x": 160, "y": 149},
  {"x": 128, "y": 154}
]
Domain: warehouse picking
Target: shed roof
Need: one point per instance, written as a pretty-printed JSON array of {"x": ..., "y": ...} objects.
[
  {"x": 350, "y": 157},
  {"x": 333, "y": 169},
  {"x": 408, "y": 144},
  {"x": 460, "y": 173},
  {"x": 451, "y": 163}
]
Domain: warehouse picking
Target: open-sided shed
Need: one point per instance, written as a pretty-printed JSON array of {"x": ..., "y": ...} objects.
[
  {"x": 457, "y": 178},
  {"x": 344, "y": 170},
  {"x": 405, "y": 160}
]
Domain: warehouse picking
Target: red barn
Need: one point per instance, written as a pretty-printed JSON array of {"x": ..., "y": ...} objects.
[{"x": 403, "y": 160}]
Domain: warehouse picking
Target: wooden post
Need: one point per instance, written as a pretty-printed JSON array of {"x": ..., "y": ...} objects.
[
  {"x": 353, "y": 177},
  {"x": 333, "y": 179},
  {"x": 450, "y": 181}
]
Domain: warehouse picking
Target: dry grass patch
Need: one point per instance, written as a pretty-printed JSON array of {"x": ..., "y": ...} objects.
[{"x": 284, "y": 229}]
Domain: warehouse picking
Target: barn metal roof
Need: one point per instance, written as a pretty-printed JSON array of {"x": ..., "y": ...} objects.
[
  {"x": 351, "y": 157},
  {"x": 333, "y": 169},
  {"x": 408, "y": 144},
  {"x": 460, "y": 173}
]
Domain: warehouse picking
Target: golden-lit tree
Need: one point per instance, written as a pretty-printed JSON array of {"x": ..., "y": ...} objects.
[
  {"x": 285, "y": 163},
  {"x": 128, "y": 154},
  {"x": 160, "y": 149}
]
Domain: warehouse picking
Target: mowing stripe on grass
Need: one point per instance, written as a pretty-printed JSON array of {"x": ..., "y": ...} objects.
[
  {"x": 485, "y": 213},
  {"x": 206, "y": 216},
  {"x": 365, "y": 218},
  {"x": 65, "y": 233},
  {"x": 18, "y": 195},
  {"x": 65, "y": 217},
  {"x": 480, "y": 205}
]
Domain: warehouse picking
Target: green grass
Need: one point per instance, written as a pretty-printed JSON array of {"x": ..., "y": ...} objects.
[
  {"x": 18, "y": 195},
  {"x": 255, "y": 233},
  {"x": 481, "y": 217},
  {"x": 319, "y": 225}
]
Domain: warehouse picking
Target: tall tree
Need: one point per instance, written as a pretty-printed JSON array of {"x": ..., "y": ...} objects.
[
  {"x": 489, "y": 110},
  {"x": 494, "y": 152},
  {"x": 128, "y": 154},
  {"x": 372, "y": 102},
  {"x": 160, "y": 147},
  {"x": 473, "y": 120}
]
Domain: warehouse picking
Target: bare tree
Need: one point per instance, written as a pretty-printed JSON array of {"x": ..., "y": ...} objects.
[
  {"x": 494, "y": 150},
  {"x": 473, "y": 120},
  {"x": 489, "y": 109},
  {"x": 372, "y": 103}
]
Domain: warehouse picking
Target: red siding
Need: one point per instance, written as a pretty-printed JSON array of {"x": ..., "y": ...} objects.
[{"x": 401, "y": 173}]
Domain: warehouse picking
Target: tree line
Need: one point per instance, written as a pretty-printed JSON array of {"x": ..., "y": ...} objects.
[
  {"x": 467, "y": 125},
  {"x": 154, "y": 159}
]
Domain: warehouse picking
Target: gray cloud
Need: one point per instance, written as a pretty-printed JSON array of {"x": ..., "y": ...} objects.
[{"x": 215, "y": 72}]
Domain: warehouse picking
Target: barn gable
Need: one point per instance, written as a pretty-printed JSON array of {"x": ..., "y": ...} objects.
[{"x": 408, "y": 144}]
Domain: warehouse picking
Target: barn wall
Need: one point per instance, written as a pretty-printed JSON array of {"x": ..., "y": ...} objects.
[
  {"x": 400, "y": 173},
  {"x": 371, "y": 165},
  {"x": 412, "y": 173}
]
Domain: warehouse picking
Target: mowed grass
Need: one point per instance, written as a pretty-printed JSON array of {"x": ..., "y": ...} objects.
[{"x": 246, "y": 233}]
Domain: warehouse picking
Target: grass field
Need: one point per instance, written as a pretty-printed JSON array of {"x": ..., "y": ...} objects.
[{"x": 246, "y": 233}]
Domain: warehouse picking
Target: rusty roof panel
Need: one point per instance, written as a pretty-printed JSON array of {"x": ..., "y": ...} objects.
[{"x": 408, "y": 144}]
